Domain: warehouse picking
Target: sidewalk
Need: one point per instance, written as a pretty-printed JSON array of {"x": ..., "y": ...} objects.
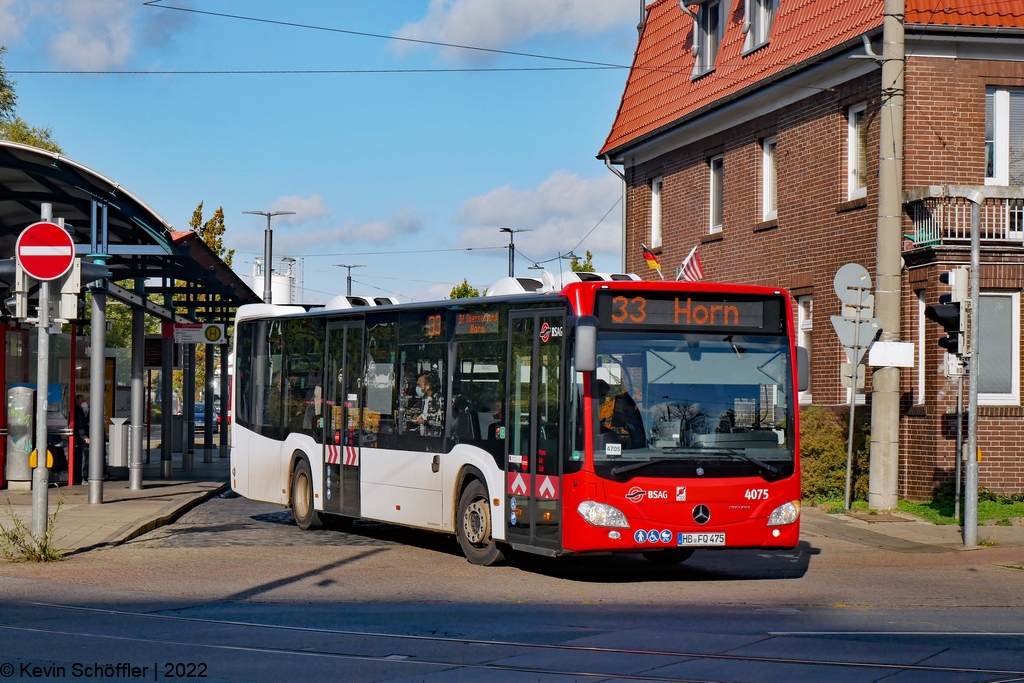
[{"x": 124, "y": 514}]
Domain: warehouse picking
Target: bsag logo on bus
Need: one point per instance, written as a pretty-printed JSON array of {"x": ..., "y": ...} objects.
[{"x": 547, "y": 332}]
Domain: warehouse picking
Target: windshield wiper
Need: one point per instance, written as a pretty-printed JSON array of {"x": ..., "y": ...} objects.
[{"x": 622, "y": 469}]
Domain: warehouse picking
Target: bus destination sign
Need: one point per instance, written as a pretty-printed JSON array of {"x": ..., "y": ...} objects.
[
  {"x": 691, "y": 312},
  {"x": 476, "y": 323}
]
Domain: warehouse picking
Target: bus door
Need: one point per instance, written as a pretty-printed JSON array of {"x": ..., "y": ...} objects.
[
  {"x": 343, "y": 418},
  {"x": 534, "y": 428}
]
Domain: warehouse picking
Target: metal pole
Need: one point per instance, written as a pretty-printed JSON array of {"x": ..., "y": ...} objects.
[
  {"x": 225, "y": 393},
  {"x": 138, "y": 389},
  {"x": 149, "y": 413},
  {"x": 208, "y": 406},
  {"x": 959, "y": 442},
  {"x": 41, "y": 475},
  {"x": 268, "y": 253},
  {"x": 188, "y": 408},
  {"x": 97, "y": 386},
  {"x": 885, "y": 399},
  {"x": 971, "y": 478},
  {"x": 853, "y": 397},
  {"x": 166, "y": 399}
]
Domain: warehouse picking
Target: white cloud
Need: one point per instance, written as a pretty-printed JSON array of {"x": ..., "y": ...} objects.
[
  {"x": 503, "y": 23},
  {"x": 305, "y": 208},
  {"x": 312, "y": 228},
  {"x": 559, "y": 212},
  {"x": 12, "y": 20}
]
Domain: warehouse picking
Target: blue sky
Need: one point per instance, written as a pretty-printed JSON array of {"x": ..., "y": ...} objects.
[{"x": 370, "y": 162}]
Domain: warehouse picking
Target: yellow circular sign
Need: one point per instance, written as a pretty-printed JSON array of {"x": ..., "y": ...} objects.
[{"x": 212, "y": 334}]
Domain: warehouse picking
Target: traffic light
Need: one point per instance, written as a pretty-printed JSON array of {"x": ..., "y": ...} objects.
[{"x": 948, "y": 313}]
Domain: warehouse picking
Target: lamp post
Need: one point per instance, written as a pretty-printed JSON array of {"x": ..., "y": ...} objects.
[
  {"x": 268, "y": 249},
  {"x": 512, "y": 248},
  {"x": 348, "y": 280}
]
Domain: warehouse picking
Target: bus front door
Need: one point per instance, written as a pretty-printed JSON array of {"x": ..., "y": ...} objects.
[
  {"x": 343, "y": 418},
  {"x": 534, "y": 429}
]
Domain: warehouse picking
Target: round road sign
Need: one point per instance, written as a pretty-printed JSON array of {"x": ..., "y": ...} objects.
[{"x": 45, "y": 251}]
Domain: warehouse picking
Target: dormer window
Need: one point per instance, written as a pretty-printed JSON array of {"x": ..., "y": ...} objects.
[
  {"x": 708, "y": 33},
  {"x": 759, "y": 22}
]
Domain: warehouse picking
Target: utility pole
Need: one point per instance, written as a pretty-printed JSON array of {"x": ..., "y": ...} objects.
[
  {"x": 348, "y": 280},
  {"x": 971, "y": 474},
  {"x": 885, "y": 402},
  {"x": 512, "y": 248},
  {"x": 268, "y": 250}
]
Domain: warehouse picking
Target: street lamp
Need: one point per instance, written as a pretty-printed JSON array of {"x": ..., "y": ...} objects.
[
  {"x": 512, "y": 248},
  {"x": 348, "y": 281},
  {"x": 268, "y": 249}
]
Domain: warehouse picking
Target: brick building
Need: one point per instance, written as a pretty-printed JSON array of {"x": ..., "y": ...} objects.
[{"x": 757, "y": 138}]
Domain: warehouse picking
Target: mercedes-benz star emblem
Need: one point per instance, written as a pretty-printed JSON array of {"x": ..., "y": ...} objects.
[{"x": 701, "y": 514}]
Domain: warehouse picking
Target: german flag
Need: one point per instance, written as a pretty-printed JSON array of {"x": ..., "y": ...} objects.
[{"x": 653, "y": 262}]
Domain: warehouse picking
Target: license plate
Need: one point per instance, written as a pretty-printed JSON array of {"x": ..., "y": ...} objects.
[{"x": 702, "y": 539}]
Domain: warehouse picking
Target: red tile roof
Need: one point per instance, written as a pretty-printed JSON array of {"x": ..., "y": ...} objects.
[{"x": 659, "y": 90}]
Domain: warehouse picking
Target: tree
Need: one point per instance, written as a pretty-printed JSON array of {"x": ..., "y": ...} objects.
[
  {"x": 464, "y": 291},
  {"x": 12, "y": 126},
  {"x": 212, "y": 232},
  {"x": 585, "y": 266}
]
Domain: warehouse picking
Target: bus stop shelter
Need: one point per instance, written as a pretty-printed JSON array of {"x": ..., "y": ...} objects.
[{"x": 155, "y": 270}]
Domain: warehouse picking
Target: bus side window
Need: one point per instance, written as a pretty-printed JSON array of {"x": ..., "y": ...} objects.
[
  {"x": 243, "y": 380},
  {"x": 421, "y": 401},
  {"x": 478, "y": 392},
  {"x": 268, "y": 405},
  {"x": 380, "y": 380},
  {"x": 303, "y": 371}
]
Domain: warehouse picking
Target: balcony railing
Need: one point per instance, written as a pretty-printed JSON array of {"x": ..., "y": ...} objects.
[{"x": 942, "y": 214}]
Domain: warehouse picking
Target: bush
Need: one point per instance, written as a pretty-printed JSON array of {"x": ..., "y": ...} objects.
[{"x": 823, "y": 453}]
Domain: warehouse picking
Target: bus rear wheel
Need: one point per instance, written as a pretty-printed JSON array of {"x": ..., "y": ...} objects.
[
  {"x": 473, "y": 526},
  {"x": 674, "y": 556},
  {"x": 302, "y": 497}
]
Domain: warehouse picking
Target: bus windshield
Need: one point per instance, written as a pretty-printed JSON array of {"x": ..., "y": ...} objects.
[{"x": 670, "y": 404}]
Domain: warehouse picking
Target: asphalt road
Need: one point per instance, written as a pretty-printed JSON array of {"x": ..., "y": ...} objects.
[{"x": 236, "y": 592}]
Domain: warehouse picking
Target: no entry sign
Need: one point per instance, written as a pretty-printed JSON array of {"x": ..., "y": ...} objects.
[{"x": 45, "y": 251}]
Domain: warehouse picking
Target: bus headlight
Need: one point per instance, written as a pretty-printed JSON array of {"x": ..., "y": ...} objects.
[
  {"x": 787, "y": 513},
  {"x": 600, "y": 514}
]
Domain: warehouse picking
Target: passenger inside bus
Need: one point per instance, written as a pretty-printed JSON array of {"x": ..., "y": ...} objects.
[{"x": 431, "y": 412}]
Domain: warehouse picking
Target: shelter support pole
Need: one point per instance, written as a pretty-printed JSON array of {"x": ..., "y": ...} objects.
[
  {"x": 188, "y": 409},
  {"x": 138, "y": 392},
  {"x": 225, "y": 391},
  {"x": 166, "y": 396},
  {"x": 885, "y": 396},
  {"x": 97, "y": 387},
  {"x": 208, "y": 406}
]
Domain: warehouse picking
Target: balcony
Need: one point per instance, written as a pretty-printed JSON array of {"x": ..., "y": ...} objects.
[{"x": 942, "y": 215}]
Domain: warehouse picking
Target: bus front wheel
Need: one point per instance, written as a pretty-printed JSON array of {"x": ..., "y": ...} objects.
[
  {"x": 302, "y": 497},
  {"x": 474, "y": 526}
]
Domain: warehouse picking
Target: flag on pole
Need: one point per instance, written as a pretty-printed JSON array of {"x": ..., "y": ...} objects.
[
  {"x": 691, "y": 270},
  {"x": 653, "y": 262}
]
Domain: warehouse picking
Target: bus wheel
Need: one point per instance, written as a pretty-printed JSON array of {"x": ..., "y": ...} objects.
[
  {"x": 474, "y": 526},
  {"x": 674, "y": 556},
  {"x": 302, "y": 497}
]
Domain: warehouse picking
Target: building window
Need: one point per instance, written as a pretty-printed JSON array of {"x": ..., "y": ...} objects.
[
  {"x": 717, "y": 194},
  {"x": 708, "y": 36},
  {"x": 919, "y": 396},
  {"x": 656, "y": 213},
  {"x": 804, "y": 329},
  {"x": 857, "y": 152},
  {"x": 769, "y": 196},
  {"x": 998, "y": 348},
  {"x": 1004, "y": 137},
  {"x": 762, "y": 14}
]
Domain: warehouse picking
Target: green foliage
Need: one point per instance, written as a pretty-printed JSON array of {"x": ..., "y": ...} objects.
[
  {"x": 464, "y": 291},
  {"x": 823, "y": 453},
  {"x": 991, "y": 505},
  {"x": 212, "y": 232},
  {"x": 17, "y": 544},
  {"x": 12, "y": 126},
  {"x": 585, "y": 266}
]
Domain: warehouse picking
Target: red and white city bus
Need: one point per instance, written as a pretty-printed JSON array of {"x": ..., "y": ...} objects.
[{"x": 612, "y": 415}]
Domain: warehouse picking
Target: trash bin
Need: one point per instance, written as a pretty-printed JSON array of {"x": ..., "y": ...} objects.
[
  {"x": 117, "y": 452},
  {"x": 20, "y": 413}
]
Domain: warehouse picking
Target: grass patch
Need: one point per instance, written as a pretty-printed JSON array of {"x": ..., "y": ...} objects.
[
  {"x": 17, "y": 544},
  {"x": 990, "y": 506}
]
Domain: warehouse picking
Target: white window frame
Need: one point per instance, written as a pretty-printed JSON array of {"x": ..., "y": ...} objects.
[
  {"x": 759, "y": 23},
  {"x": 805, "y": 329},
  {"x": 853, "y": 153},
  {"x": 769, "y": 179},
  {"x": 919, "y": 397},
  {"x": 1013, "y": 397},
  {"x": 716, "y": 193},
  {"x": 705, "y": 61},
  {"x": 656, "y": 188},
  {"x": 1000, "y": 137}
]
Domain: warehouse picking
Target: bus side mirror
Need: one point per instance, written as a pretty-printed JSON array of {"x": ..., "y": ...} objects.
[
  {"x": 586, "y": 343},
  {"x": 803, "y": 370}
]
